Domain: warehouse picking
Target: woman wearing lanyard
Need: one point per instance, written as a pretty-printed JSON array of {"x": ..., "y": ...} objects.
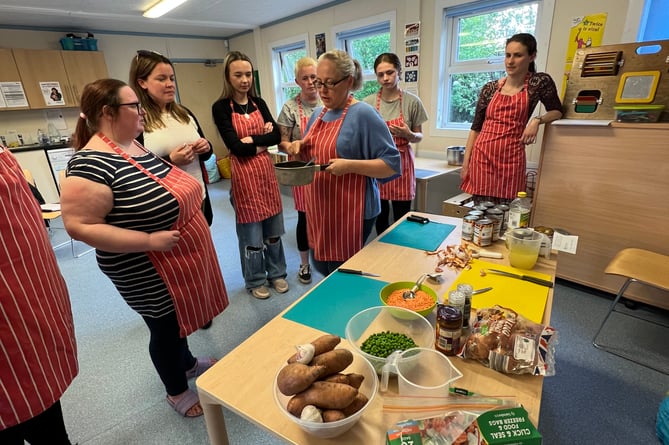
[
  {"x": 494, "y": 164},
  {"x": 343, "y": 201},
  {"x": 404, "y": 114},
  {"x": 247, "y": 128},
  {"x": 143, "y": 215},
  {"x": 292, "y": 122}
]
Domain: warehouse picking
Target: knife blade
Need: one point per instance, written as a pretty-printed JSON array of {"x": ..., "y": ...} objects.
[
  {"x": 358, "y": 272},
  {"x": 480, "y": 291},
  {"x": 529, "y": 278}
]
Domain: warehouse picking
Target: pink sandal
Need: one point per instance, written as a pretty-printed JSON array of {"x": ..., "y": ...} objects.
[
  {"x": 185, "y": 402},
  {"x": 200, "y": 367}
]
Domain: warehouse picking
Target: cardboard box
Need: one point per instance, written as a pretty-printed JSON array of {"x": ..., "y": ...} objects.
[{"x": 458, "y": 206}]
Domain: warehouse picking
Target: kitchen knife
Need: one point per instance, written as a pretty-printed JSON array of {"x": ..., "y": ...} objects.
[
  {"x": 358, "y": 272},
  {"x": 480, "y": 291},
  {"x": 523, "y": 277}
]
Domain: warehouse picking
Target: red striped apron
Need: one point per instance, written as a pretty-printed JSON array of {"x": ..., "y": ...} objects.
[
  {"x": 36, "y": 327},
  {"x": 255, "y": 189},
  {"x": 190, "y": 270},
  {"x": 497, "y": 163},
  {"x": 300, "y": 190},
  {"x": 404, "y": 187},
  {"x": 336, "y": 204}
]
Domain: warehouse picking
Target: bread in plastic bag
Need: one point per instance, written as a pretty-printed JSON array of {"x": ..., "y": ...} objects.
[{"x": 507, "y": 342}]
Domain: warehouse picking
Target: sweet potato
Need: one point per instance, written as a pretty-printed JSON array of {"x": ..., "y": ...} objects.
[
  {"x": 353, "y": 379},
  {"x": 322, "y": 344},
  {"x": 324, "y": 395},
  {"x": 332, "y": 415},
  {"x": 357, "y": 404},
  {"x": 297, "y": 377},
  {"x": 334, "y": 361}
]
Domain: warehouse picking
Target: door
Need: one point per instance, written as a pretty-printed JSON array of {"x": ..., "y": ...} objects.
[{"x": 199, "y": 86}]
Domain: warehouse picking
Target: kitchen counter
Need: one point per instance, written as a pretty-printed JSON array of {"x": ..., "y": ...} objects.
[
  {"x": 436, "y": 181},
  {"x": 35, "y": 147}
]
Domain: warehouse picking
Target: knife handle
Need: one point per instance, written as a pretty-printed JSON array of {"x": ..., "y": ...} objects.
[
  {"x": 352, "y": 271},
  {"x": 538, "y": 280}
]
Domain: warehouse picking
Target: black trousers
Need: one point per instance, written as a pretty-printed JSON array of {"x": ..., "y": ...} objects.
[
  {"x": 400, "y": 208},
  {"x": 301, "y": 232},
  {"x": 47, "y": 428},
  {"x": 169, "y": 353}
]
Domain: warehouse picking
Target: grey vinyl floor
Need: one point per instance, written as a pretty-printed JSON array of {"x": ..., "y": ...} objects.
[{"x": 117, "y": 398}]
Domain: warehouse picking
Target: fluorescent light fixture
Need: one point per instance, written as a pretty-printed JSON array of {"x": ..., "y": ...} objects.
[{"x": 161, "y": 8}]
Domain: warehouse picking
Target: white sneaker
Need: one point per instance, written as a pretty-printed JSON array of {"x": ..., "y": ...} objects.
[{"x": 280, "y": 285}]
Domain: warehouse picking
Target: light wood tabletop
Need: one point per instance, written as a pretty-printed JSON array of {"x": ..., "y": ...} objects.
[{"x": 242, "y": 381}]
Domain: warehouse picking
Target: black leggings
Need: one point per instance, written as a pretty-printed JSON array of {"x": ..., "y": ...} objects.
[
  {"x": 47, "y": 428},
  {"x": 400, "y": 208},
  {"x": 169, "y": 353},
  {"x": 301, "y": 232}
]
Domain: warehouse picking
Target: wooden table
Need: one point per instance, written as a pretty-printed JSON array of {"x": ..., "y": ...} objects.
[{"x": 242, "y": 381}]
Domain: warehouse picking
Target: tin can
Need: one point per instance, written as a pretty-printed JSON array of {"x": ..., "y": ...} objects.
[
  {"x": 505, "y": 223},
  {"x": 487, "y": 204},
  {"x": 478, "y": 213},
  {"x": 497, "y": 217},
  {"x": 448, "y": 329},
  {"x": 483, "y": 232},
  {"x": 468, "y": 226},
  {"x": 480, "y": 207}
]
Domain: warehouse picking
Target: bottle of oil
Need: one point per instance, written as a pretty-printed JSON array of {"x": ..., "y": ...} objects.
[{"x": 519, "y": 211}]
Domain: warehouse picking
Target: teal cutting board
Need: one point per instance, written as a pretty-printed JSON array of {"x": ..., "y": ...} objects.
[
  {"x": 418, "y": 236},
  {"x": 330, "y": 305}
]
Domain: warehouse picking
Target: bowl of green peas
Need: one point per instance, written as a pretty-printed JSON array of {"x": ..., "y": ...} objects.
[{"x": 377, "y": 332}]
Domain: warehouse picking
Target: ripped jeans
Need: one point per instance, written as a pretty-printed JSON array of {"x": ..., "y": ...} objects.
[{"x": 261, "y": 250}]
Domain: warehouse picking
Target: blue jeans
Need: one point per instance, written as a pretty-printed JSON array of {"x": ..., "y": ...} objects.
[
  {"x": 261, "y": 250},
  {"x": 325, "y": 268}
]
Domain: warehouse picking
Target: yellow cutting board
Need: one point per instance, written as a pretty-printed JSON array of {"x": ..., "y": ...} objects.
[{"x": 526, "y": 298}]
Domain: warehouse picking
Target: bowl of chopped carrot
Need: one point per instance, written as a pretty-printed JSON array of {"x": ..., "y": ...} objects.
[{"x": 424, "y": 301}]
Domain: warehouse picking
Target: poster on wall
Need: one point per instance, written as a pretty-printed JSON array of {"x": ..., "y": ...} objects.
[
  {"x": 411, "y": 30},
  {"x": 411, "y": 61},
  {"x": 12, "y": 94},
  {"x": 320, "y": 44},
  {"x": 53, "y": 93},
  {"x": 586, "y": 31},
  {"x": 412, "y": 45},
  {"x": 411, "y": 76}
]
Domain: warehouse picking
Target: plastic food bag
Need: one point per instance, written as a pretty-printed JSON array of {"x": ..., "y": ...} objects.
[
  {"x": 213, "y": 175},
  {"x": 224, "y": 167},
  {"x": 507, "y": 342}
]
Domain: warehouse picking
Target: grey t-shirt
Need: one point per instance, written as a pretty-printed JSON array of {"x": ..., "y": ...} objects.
[
  {"x": 290, "y": 116},
  {"x": 412, "y": 107}
]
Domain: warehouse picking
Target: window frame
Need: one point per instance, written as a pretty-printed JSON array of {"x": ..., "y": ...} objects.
[
  {"x": 275, "y": 48},
  {"x": 442, "y": 53}
]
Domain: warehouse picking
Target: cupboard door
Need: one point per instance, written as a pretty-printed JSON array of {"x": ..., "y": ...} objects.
[
  {"x": 9, "y": 73},
  {"x": 46, "y": 66},
  {"x": 83, "y": 67}
]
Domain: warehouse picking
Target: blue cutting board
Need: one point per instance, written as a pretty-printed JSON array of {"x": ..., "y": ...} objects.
[
  {"x": 336, "y": 299},
  {"x": 418, "y": 236}
]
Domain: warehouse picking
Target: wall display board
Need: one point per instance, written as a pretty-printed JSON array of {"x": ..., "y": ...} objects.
[{"x": 609, "y": 76}]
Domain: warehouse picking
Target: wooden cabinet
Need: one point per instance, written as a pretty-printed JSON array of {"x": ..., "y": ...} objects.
[
  {"x": 83, "y": 67},
  {"x": 71, "y": 71},
  {"x": 9, "y": 72},
  {"x": 608, "y": 185}
]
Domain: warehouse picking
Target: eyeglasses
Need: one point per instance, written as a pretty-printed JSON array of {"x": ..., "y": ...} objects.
[
  {"x": 137, "y": 105},
  {"x": 328, "y": 83}
]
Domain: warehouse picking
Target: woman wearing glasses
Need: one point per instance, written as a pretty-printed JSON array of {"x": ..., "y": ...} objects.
[
  {"x": 404, "y": 114},
  {"x": 292, "y": 122},
  {"x": 350, "y": 136},
  {"x": 170, "y": 129},
  {"x": 248, "y": 128},
  {"x": 144, "y": 217}
]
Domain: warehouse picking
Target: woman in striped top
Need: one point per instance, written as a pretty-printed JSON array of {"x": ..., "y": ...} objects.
[
  {"x": 144, "y": 218},
  {"x": 38, "y": 351}
]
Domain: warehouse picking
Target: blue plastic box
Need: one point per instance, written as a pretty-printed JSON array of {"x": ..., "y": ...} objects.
[{"x": 76, "y": 44}]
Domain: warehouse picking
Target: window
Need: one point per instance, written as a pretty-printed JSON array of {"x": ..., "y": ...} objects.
[
  {"x": 472, "y": 52},
  {"x": 284, "y": 58},
  {"x": 365, "y": 43}
]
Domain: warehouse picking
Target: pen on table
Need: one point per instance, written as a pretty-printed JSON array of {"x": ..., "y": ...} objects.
[{"x": 461, "y": 391}]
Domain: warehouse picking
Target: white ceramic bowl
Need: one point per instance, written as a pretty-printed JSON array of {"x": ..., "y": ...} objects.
[
  {"x": 378, "y": 319},
  {"x": 333, "y": 429}
]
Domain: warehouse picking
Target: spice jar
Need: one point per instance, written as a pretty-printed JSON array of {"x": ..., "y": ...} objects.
[
  {"x": 468, "y": 290},
  {"x": 448, "y": 330}
]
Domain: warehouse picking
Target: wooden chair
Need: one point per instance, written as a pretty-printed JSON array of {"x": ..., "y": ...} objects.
[{"x": 640, "y": 266}]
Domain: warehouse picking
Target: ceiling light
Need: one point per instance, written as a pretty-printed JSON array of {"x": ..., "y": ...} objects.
[{"x": 161, "y": 8}]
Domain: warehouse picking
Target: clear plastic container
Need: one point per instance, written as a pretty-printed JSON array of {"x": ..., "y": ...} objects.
[{"x": 519, "y": 211}]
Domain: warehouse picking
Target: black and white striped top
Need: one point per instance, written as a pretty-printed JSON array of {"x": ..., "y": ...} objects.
[{"x": 140, "y": 203}]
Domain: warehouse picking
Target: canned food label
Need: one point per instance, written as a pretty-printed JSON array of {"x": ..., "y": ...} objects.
[{"x": 483, "y": 232}]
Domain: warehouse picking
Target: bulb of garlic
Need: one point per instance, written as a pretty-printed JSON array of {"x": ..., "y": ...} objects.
[
  {"x": 311, "y": 414},
  {"x": 305, "y": 353}
]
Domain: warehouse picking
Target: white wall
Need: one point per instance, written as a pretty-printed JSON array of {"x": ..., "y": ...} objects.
[
  {"x": 118, "y": 50},
  {"x": 622, "y": 22}
]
